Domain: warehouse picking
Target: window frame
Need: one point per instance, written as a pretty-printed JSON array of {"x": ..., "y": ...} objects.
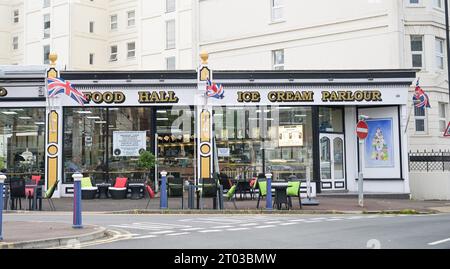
[
  {"x": 442, "y": 118},
  {"x": 116, "y": 54},
  {"x": 275, "y": 65},
  {"x": 16, "y": 16},
  {"x": 46, "y": 57},
  {"x": 111, "y": 22},
  {"x": 47, "y": 33},
  {"x": 274, "y": 8},
  {"x": 131, "y": 19},
  {"x": 46, "y": 3},
  {"x": 174, "y": 63},
  {"x": 439, "y": 56},
  {"x": 91, "y": 58},
  {"x": 417, "y": 52},
  {"x": 133, "y": 50},
  {"x": 169, "y": 43},
  {"x": 423, "y": 118},
  {"x": 15, "y": 43},
  {"x": 174, "y": 5}
]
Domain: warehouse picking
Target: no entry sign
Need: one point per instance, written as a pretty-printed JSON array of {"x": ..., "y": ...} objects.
[{"x": 362, "y": 129}]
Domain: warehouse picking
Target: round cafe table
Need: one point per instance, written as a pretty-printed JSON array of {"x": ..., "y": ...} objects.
[
  {"x": 136, "y": 189},
  {"x": 280, "y": 194},
  {"x": 103, "y": 190}
]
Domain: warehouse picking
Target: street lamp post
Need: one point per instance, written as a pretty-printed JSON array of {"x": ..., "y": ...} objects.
[
  {"x": 2, "y": 182},
  {"x": 447, "y": 44}
]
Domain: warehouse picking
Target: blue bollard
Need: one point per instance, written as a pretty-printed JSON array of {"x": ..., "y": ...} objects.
[
  {"x": 2, "y": 182},
  {"x": 77, "y": 220},
  {"x": 269, "y": 192},
  {"x": 163, "y": 196}
]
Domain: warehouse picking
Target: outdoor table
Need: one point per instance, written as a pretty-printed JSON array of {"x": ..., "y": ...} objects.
[
  {"x": 103, "y": 190},
  {"x": 280, "y": 193},
  {"x": 136, "y": 189}
]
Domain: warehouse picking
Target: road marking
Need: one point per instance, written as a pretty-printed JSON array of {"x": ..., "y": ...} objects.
[
  {"x": 249, "y": 224},
  {"x": 191, "y": 229},
  {"x": 210, "y": 231},
  {"x": 145, "y": 237},
  {"x": 318, "y": 218},
  {"x": 136, "y": 227},
  {"x": 355, "y": 217},
  {"x": 273, "y": 222},
  {"x": 163, "y": 232},
  {"x": 265, "y": 226},
  {"x": 439, "y": 242},
  {"x": 288, "y": 223},
  {"x": 298, "y": 220},
  {"x": 159, "y": 224},
  {"x": 332, "y": 219},
  {"x": 175, "y": 234},
  {"x": 312, "y": 221},
  {"x": 222, "y": 227},
  {"x": 237, "y": 229}
]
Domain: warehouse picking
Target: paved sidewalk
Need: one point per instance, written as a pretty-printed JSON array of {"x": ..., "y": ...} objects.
[
  {"x": 327, "y": 204},
  {"x": 35, "y": 234}
]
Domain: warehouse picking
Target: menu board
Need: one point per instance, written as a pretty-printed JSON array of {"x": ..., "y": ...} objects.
[
  {"x": 290, "y": 136},
  {"x": 127, "y": 143}
]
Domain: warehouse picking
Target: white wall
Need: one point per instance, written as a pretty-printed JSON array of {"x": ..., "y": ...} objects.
[{"x": 430, "y": 185}]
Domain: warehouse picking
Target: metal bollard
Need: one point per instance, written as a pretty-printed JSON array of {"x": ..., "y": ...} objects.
[
  {"x": 269, "y": 191},
  {"x": 77, "y": 219},
  {"x": 2, "y": 183},
  {"x": 163, "y": 195}
]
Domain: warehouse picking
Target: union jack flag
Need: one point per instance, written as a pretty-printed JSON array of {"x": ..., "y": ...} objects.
[
  {"x": 420, "y": 98},
  {"x": 214, "y": 90},
  {"x": 57, "y": 86}
]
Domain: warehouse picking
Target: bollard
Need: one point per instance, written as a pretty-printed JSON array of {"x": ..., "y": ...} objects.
[
  {"x": 360, "y": 189},
  {"x": 77, "y": 220},
  {"x": 2, "y": 182},
  {"x": 269, "y": 192},
  {"x": 163, "y": 195}
]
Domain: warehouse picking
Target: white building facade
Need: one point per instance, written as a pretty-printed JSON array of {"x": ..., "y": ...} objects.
[{"x": 241, "y": 35}]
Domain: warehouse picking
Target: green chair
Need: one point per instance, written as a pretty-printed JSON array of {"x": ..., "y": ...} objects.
[
  {"x": 88, "y": 192},
  {"x": 230, "y": 195},
  {"x": 293, "y": 190},
  {"x": 262, "y": 187},
  {"x": 49, "y": 194}
]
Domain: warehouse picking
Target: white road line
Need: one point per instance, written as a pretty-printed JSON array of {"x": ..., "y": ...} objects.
[
  {"x": 222, "y": 227},
  {"x": 265, "y": 226},
  {"x": 159, "y": 224},
  {"x": 372, "y": 217},
  {"x": 210, "y": 231},
  {"x": 273, "y": 222},
  {"x": 192, "y": 229},
  {"x": 249, "y": 224},
  {"x": 318, "y": 219},
  {"x": 237, "y": 229},
  {"x": 145, "y": 236},
  {"x": 135, "y": 227},
  {"x": 288, "y": 223},
  {"x": 332, "y": 219},
  {"x": 355, "y": 217},
  {"x": 297, "y": 220},
  {"x": 175, "y": 234},
  {"x": 163, "y": 232},
  {"x": 439, "y": 242}
]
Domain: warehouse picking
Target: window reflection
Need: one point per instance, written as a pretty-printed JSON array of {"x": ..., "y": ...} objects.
[{"x": 22, "y": 141}]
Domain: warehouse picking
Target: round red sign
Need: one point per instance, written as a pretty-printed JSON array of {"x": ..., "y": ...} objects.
[{"x": 362, "y": 129}]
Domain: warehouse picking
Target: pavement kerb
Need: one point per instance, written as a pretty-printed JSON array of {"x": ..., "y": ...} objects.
[{"x": 59, "y": 241}]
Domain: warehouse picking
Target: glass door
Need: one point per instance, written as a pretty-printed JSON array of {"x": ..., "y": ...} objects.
[{"x": 332, "y": 162}]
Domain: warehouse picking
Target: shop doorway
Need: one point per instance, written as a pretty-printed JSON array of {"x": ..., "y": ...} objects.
[{"x": 332, "y": 162}]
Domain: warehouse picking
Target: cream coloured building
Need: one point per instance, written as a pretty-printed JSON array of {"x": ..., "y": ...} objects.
[{"x": 240, "y": 35}]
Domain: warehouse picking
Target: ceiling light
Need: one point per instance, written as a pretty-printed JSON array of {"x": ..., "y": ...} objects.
[
  {"x": 161, "y": 111},
  {"x": 162, "y": 119},
  {"x": 84, "y": 112},
  {"x": 39, "y": 123},
  {"x": 100, "y": 122},
  {"x": 9, "y": 112},
  {"x": 25, "y": 118},
  {"x": 93, "y": 117}
]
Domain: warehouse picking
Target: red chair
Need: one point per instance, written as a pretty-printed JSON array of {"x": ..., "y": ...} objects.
[
  {"x": 151, "y": 194},
  {"x": 119, "y": 190},
  {"x": 29, "y": 191}
]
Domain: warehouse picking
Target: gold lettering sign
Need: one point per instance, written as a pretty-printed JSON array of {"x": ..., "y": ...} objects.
[
  {"x": 350, "y": 96},
  {"x": 105, "y": 97},
  {"x": 158, "y": 97},
  {"x": 247, "y": 97},
  {"x": 290, "y": 96}
]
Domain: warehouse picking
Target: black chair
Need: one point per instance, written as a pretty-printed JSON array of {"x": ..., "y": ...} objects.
[
  {"x": 175, "y": 188},
  {"x": 5, "y": 196},
  {"x": 225, "y": 182},
  {"x": 210, "y": 189},
  {"x": 17, "y": 188}
]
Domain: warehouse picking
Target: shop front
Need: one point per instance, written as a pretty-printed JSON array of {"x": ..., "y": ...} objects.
[{"x": 289, "y": 123}]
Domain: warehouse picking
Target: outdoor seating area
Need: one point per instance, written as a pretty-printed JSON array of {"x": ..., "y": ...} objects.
[{"x": 24, "y": 193}]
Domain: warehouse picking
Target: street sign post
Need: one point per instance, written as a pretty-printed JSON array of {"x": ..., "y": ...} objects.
[{"x": 362, "y": 131}]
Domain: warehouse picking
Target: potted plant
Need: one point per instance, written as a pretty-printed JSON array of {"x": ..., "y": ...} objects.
[{"x": 147, "y": 161}]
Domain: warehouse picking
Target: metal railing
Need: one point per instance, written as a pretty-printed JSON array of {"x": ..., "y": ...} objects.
[{"x": 429, "y": 161}]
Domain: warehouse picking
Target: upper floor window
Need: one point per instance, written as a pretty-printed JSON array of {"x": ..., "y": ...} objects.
[
  {"x": 113, "y": 54},
  {"x": 46, "y": 25},
  {"x": 438, "y": 3},
  {"x": 277, "y": 9},
  {"x": 414, "y": 2},
  {"x": 113, "y": 21},
  {"x": 131, "y": 18},
  {"x": 91, "y": 58},
  {"x": 91, "y": 27},
  {"x": 440, "y": 53},
  {"x": 442, "y": 116},
  {"x": 131, "y": 50},
  {"x": 170, "y": 34},
  {"x": 278, "y": 60},
  {"x": 46, "y": 54},
  {"x": 170, "y": 5},
  {"x": 46, "y": 3},
  {"x": 15, "y": 43},
  {"x": 16, "y": 16},
  {"x": 417, "y": 50},
  {"x": 170, "y": 63},
  {"x": 420, "y": 119}
]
